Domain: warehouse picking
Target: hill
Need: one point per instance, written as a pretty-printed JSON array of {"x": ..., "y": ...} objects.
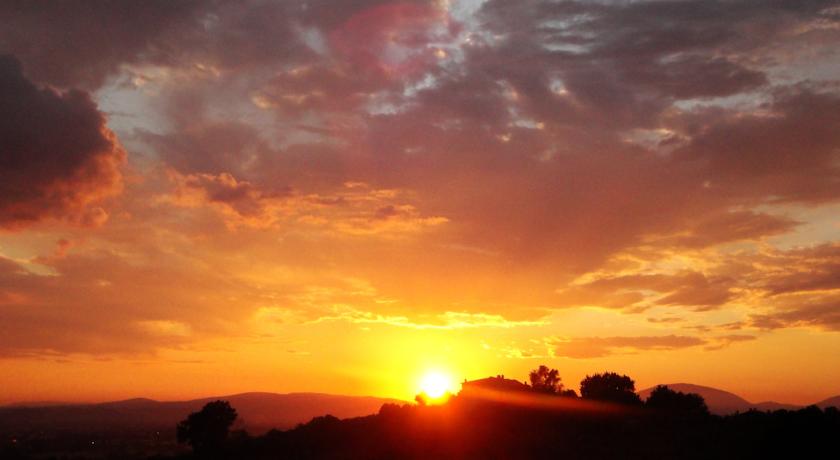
[
  {"x": 719, "y": 401},
  {"x": 258, "y": 412},
  {"x": 829, "y": 402},
  {"x": 723, "y": 402},
  {"x": 773, "y": 405},
  {"x": 527, "y": 425}
]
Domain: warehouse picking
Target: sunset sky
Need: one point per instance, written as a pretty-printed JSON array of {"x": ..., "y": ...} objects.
[{"x": 205, "y": 198}]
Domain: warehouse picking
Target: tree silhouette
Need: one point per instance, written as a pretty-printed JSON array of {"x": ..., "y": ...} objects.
[
  {"x": 611, "y": 387},
  {"x": 206, "y": 430},
  {"x": 546, "y": 380},
  {"x": 676, "y": 402}
]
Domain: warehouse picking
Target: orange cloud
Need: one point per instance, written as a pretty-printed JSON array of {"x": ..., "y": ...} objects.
[
  {"x": 596, "y": 347},
  {"x": 478, "y": 172}
]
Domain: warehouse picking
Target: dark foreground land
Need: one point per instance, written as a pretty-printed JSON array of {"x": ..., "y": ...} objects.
[
  {"x": 483, "y": 431},
  {"x": 532, "y": 426}
]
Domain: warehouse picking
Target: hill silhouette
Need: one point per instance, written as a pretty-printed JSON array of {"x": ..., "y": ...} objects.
[
  {"x": 515, "y": 423},
  {"x": 723, "y": 402},
  {"x": 494, "y": 417},
  {"x": 719, "y": 401},
  {"x": 829, "y": 402},
  {"x": 258, "y": 412}
]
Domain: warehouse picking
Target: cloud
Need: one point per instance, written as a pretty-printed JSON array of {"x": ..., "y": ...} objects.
[
  {"x": 726, "y": 340},
  {"x": 62, "y": 247},
  {"x": 797, "y": 270},
  {"x": 446, "y": 320},
  {"x": 819, "y": 311},
  {"x": 621, "y": 64},
  {"x": 688, "y": 289},
  {"x": 239, "y": 201},
  {"x": 774, "y": 288},
  {"x": 797, "y": 287},
  {"x": 66, "y": 45},
  {"x": 164, "y": 328},
  {"x": 392, "y": 39},
  {"x": 718, "y": 228},
  {"x": 355, "y": 209},
  {"x": 785, "y": 152},
  {"x": 535, "y": 156},
  {"x": 105, "y": 304},
  {"x": 597, "y": 347},
  {"x": 492, "y": 140},
  {"x": 58, "y": 158},
  {"x": 390, "y": 219}
]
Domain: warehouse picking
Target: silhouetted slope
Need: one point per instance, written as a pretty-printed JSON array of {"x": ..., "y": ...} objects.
[
  {"x": 773, "y": 405},
  {"x": 719, "y": 401},
  {"x": 482, "y": 424},
  {"x": 528, "y": 427},
  {"x": 258, "y": 412},
  {"x": 722, "y": 402},
  {"x": 830, "y": 402},
  {"x": 35, "y": 404}
]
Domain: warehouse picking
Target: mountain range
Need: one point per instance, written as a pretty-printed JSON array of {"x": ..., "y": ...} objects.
[
  {"x": 723, "y": 402},
  {"x": 258, "y": 412}
]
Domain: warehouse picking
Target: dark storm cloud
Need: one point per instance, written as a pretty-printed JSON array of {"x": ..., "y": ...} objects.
[{"x": 56, "y": 155}]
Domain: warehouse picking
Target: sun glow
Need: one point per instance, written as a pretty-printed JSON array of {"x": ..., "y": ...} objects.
[{"x": 436, "y": 384}]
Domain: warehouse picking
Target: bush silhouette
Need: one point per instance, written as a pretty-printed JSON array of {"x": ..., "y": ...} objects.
[
  {"x": 206, "y": 430},
  {"x": 676, "y": 402},
  {"x": 610, "y": 387}
]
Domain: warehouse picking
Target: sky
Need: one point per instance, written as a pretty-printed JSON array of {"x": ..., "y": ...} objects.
[{"x": 205, "y": 198}]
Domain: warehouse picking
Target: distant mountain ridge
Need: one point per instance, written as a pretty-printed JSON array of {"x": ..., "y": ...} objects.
[
  {"x": 828, "y": 402},
  {"x": 722, "y": 402},
  {"x": 258, "y": 412}
]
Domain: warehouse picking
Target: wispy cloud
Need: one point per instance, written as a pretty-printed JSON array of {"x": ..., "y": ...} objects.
[
  {"x": 597, "y": 347},
  {"x": 446, "y": 320}
]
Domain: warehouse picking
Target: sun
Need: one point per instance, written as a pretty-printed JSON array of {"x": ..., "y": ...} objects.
[{"x": 435, "y": 384}]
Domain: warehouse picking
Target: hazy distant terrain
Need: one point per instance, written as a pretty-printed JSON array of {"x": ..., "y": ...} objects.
[
  {"x": 258, "y": 412},
  {"x": 489, "y": 418},
  {"x": 723, "y": 402}
]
